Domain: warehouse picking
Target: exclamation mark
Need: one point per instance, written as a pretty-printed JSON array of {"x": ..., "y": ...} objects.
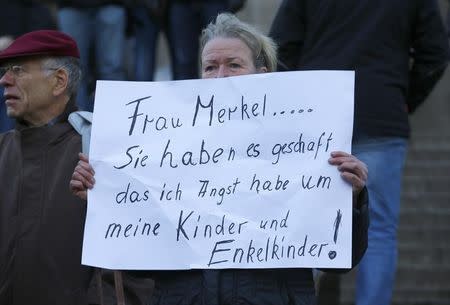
[{"x": 336, "y": 225}]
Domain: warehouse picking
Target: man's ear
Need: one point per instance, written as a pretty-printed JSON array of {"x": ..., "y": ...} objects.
[{"x": 61, "y": 79}]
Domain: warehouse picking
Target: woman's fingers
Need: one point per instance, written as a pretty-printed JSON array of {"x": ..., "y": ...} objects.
[
  {"x": 356, "y": 182},
  {"x": 355, "y": 167},
  {"x": 352, "y": 169},
  {"x": 84, "y": 175},
  {"x": 77, "y": 188},
  {"x": 84, "y": 163}
]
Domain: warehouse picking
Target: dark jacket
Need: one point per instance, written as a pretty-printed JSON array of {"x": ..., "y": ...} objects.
[
  {"x": 41, "y": 222},
  {"x": 294, "y": 286},
  {"x": 375, "y": 38}
]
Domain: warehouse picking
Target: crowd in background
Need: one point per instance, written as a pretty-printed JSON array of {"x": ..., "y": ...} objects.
[{"x": 102, "y": 29}]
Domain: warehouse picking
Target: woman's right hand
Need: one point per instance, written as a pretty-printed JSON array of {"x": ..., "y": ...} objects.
[{"x": 82, "y": 177}]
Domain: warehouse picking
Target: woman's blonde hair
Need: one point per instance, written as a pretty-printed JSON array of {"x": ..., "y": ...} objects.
[{"x": 227, "y": 25}]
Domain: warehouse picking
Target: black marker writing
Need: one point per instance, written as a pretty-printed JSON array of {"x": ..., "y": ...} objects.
[{"x": 337, "y": 224}]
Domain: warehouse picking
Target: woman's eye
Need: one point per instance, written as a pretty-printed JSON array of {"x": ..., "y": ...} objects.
[
  {"x": 208, "y": 68},
  {"x": 234, "y": 65}
]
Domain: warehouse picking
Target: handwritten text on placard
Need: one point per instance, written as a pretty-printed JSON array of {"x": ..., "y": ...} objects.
[{"x": 222, "y": 173}]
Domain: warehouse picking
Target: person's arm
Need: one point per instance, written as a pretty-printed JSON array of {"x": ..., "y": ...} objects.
[
  {"x": 82, "y": 177},
  {"x": 288, "y": 31},
  {"x": 356, "y": 173},
  {"x": 352, "y": 170},
  {"x": 360, "y": 227},
  {"x": 430, "y": 53}
]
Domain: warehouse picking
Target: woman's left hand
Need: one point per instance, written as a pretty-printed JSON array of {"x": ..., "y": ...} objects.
[{"x": 353, "y": 170}]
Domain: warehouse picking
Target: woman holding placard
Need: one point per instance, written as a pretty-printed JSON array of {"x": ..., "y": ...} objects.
[{"x": 230, "y": 47}]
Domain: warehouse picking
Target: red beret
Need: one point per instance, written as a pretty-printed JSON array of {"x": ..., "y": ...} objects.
[{"x": 43, "y": 42}]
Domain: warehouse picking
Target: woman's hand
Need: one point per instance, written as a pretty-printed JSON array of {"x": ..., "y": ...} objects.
[
  {"x": 352, "y": 170},
  {"x": 82, "y": 177}
]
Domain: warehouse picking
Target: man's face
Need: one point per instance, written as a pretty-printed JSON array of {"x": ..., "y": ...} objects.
[
  {"x": 28, "y": 90},
  {"x": 223, "y": 57}
]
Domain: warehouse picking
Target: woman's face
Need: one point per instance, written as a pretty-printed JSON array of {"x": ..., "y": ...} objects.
[{"x": 223, "y": 57}]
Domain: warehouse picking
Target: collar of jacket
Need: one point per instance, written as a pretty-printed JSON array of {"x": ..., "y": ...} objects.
[{"x": 70, "y": 107}]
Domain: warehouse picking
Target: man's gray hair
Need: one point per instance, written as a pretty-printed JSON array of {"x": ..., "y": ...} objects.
[
  {"x": 227, "y": 25},
  {"x": 72, "y": 67}
]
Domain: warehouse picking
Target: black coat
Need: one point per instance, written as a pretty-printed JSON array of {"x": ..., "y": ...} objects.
[
  {"x": 375, "y": 38},
  {"x": 41, "y": 222},
  {"x": 293, "y": 286}
]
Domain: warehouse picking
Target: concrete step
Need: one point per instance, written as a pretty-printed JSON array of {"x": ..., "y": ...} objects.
[
  {"x": 414, "y": 198},
  {"x": 426, "y": 169},
  {"x": 417, "y": 183},
  {"x": 422, "y": 237}
]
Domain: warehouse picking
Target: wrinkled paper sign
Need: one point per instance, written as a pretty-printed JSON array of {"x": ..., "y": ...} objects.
[{"x": 221, "y": 173}]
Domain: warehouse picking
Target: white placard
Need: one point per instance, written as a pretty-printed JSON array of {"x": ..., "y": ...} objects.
[{"x": 221, "y": 173}]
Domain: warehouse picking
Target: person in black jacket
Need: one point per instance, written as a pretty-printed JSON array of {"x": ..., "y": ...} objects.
[
  {"x": 399, "y": 50},
  {"x": 230, "y": 48}
]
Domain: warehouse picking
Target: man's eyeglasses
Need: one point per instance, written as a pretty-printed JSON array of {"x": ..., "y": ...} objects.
[{"x": 18, "y": 70}]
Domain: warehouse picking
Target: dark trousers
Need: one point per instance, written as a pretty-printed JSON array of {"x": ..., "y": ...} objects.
[{"x": 185, "y": 23}]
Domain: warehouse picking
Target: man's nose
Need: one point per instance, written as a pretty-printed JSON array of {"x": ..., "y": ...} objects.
[{"x": 6, "y": 79}]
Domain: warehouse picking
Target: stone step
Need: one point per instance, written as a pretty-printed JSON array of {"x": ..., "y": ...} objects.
[
  {"x": 411, "y": 288},
  {"x": 419, "y": 199},
  {"x": 438, "y": 244},
  {"x": 426, "y": 210},
  {"x": 439, "y": 184},
  {"x": 435, "y": 268},
  {"x": 412, "y": 216},
  {"x": 418, "y": 295},
  {"x": 424, "y": 221},
  {"x": 429, "y": 143},
  {"x": 427, "y": 170},
  {"x": 437, "y": 238},
  {"x": 431, "y": 156}
]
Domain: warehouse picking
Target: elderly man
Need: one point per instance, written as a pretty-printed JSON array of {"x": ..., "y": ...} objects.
[{"x": 41, "y": 223}]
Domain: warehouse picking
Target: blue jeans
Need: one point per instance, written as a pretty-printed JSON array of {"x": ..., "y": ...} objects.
[
  {"x": 100, "y": 28},
  {"x": 185, "y": 23},
  {"x": 147, "y": 31},
  {"x": 5, "y": 122},
  {"x": 385, "y": 159}
]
